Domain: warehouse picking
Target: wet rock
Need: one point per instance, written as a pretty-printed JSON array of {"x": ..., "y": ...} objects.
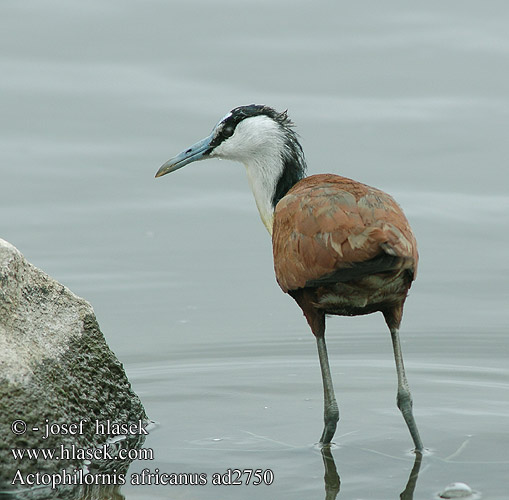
[
  {"x": 55, "y": 368},
  {"x": 457, "y": 490}
]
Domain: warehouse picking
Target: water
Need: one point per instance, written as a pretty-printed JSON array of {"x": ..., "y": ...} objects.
[{"x": 96, "y": 96}]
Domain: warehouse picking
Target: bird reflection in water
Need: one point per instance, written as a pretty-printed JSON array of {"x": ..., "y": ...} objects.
[
  {"x": 331, "y": 476},
  {"x": 333, "y": 483}
]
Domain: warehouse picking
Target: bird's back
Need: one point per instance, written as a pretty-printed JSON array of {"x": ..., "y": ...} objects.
[{"x": 330, "y": 229}]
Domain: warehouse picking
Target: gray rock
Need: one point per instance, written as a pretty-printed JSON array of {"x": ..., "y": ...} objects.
[
  {"x": 459, "y": 490},
  {"x": 55, "y": 367}
]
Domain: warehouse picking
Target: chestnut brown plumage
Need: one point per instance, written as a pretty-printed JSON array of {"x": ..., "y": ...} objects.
[{"x": 340, "y": 247}]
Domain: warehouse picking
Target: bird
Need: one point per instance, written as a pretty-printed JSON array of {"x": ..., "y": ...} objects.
[{"x": 340, "y": 247}]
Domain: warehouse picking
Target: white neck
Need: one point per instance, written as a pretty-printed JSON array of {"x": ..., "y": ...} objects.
[
  {"x": 262, "y": 175},
  {"x": 258, "y": 143}
]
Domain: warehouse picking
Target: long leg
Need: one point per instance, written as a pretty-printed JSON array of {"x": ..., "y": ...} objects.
[
  {"x": 404, "y": 398},
  {"x": 330, "y": 410},
  {"x": 316, "y": 320}
]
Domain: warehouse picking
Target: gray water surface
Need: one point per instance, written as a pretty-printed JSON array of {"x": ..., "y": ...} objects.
[{"x": 413, "y": 99}]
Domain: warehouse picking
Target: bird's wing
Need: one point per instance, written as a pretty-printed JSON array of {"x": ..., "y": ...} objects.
[{"x": 333, "y": 228}]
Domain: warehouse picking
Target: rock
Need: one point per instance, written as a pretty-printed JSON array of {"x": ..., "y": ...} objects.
[
  {"x": 457, "y": 490},
  {"x": 56, "y": 368}
]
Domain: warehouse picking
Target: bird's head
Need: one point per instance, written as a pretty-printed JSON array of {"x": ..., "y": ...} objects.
[
  {"x": 246, "y": 134},
  {"x": 264, "y": 141}
]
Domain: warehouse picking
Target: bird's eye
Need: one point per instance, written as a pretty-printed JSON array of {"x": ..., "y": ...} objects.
[{"x": 228, "y": 130}]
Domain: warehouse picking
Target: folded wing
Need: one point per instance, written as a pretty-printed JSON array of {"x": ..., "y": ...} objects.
[{"x": 331, "y": 229}]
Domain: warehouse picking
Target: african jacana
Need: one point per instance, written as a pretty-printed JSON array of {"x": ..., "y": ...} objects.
[{"x": 340, "y": 247}]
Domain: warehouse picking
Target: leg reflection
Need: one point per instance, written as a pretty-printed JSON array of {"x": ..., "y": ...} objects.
[
  {"x": 408, "y": 492},
  {"x": 331, "y": 477},
  {"x": 333, "y": 483}
]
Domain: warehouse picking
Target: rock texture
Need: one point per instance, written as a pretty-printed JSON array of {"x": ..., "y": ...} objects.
[{"x": 55, "y": 367}]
